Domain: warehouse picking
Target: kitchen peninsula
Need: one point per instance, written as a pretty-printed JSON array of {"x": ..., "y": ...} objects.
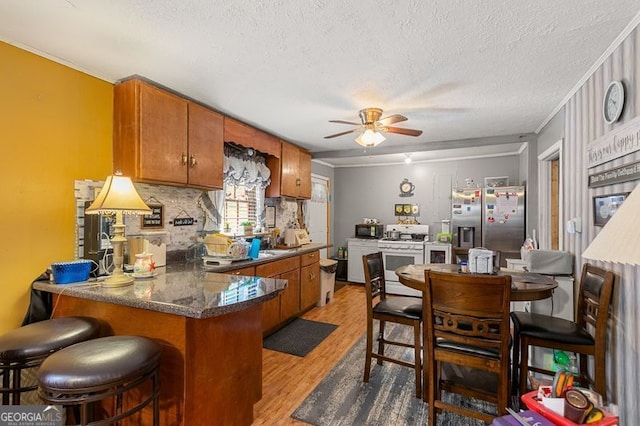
[{"x": 210, "y": 328}]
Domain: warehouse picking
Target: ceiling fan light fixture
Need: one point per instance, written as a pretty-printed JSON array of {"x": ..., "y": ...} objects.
[{"x": 370, "y": 138}]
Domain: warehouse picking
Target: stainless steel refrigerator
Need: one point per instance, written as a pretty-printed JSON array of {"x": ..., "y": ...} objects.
[
  {"x": 466, "y": 221},
  {"x": 503, "y": 220}
]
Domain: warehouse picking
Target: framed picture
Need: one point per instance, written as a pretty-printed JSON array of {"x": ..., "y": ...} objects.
[
  {"x": 155, "y": 220},
  {"x": 604, "y": 206}
]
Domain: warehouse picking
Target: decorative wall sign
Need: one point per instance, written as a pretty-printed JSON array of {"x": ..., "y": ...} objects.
[
  {"x": 605, "y": 206},
  {"x": 617, "y": 143},
  {"x": 617, "y": 175},
  {"x": 270, "y": 216},
  {"x": 155, "y": 220},
  {"x": 406, "y": 188},
  {"x": 407, "y": 210},
  {"x": 184, "y": 220}
]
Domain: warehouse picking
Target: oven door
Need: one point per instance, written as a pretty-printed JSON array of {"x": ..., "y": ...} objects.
[{"x": 393, "y": 259}]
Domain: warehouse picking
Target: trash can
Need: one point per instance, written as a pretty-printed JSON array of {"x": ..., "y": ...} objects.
[{"x": 327, "y": 280}]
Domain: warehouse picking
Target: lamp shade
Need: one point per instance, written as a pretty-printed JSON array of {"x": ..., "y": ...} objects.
[
  {"x": 118, "y": 194},
  {"x": 370, "y": 138},
  {"x": 617, "y": 242}
]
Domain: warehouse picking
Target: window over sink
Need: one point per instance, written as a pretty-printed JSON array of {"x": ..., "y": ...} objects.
[{"x": 239, "y": 206}]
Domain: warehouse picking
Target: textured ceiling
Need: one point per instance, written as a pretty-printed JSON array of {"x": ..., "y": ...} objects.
[{"x": 458, "y": 69}]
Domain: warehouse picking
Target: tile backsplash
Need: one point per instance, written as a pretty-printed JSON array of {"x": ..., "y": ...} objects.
[{"x": 178, "y": 202}]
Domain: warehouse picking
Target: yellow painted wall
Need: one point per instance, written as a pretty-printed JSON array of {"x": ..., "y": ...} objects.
[{"x": 55, "y": 127}]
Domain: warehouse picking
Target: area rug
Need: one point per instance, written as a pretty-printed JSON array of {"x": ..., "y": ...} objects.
[
  {"x": 388, "y": 399},
  {"x": 299, "y": 337}
]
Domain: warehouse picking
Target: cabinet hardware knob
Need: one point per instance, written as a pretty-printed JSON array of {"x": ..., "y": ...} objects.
[
  {"x": 298, "y": 182},
  {"x": 184, "y": 159},
  {"x": 193, "y": 161}
]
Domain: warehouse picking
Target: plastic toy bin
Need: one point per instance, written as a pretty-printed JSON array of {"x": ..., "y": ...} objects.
[
  {"x": 71, "y": 272},
  {"x": 531, "y": 401}
]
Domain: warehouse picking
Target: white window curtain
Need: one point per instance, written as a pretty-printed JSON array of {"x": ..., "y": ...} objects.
[{"x": 244, "y": 166}]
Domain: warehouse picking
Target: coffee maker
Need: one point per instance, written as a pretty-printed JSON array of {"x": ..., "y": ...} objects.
[{"x": 98, "y": 231}]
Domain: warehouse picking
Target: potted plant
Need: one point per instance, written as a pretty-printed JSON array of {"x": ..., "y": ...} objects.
[
  {"x": 247, "y": 226},
  {"x": 227, "y": 227}
]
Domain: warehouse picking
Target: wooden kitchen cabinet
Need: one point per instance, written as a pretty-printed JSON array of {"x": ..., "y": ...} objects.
[
  {"x": 206, "y": 147},
  {"x": 160, "y": 137},
  {"x": 287, "y": 305},
  {"x": 250, "y": 137},
  {"x": 249, "y": 271},
  {"x": 290, "y": 173},
  {"x": 309, "y": 280}
]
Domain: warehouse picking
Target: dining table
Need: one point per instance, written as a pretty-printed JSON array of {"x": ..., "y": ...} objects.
[{"x": 525, "y": 286}]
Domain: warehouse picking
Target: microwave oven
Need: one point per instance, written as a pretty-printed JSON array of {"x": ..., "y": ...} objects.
[{"x": 369, "y": 231}]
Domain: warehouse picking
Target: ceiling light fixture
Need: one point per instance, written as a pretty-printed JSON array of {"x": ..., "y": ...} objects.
[
  {"x": 370, "y": 137},
  {"x": 408, "y": 159}
]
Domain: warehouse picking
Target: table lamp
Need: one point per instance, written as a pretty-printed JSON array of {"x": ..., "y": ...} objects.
[
  {"x": 119, "y": 196},
  {"x": 617, "y": 242}
]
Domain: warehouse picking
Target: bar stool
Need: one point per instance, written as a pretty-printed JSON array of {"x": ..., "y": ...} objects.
[
  {"x": 26, "y": 347},
  {"x": 103, "y": 370}
]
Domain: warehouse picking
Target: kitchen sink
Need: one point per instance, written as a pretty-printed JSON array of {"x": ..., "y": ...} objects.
[
  {"x": 273, "y": 252},
  {"x": 263, "y": 254}
]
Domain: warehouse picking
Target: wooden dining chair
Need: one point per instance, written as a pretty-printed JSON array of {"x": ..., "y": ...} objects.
[
  {"x": 586, "y": 336},
  {"x": 396, "y": 309},
  {"x": 466, "y": 317}
]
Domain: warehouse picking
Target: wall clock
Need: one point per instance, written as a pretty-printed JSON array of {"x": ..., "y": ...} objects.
[{"x": 613, "y": 102}]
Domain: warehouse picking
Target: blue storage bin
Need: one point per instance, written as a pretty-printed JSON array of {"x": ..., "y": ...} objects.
[{"x": 71, "y": 272}]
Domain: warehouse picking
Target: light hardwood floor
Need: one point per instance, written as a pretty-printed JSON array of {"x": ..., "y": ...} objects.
[{"x": 288, "y": 379}]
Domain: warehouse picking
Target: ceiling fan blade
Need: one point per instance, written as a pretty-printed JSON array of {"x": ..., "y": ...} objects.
[
  {"x": 344, "y": 122},
  {"x": 401, "y": 131},
  {"x": 395, "y": 118},
  {"x": 342, "y": 133}
]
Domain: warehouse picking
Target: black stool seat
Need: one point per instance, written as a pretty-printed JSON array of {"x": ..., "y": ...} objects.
[
  {"x": 26, "y": 347},
  {"x": 99, "y": 362},
  {"x": 100, "y": 369},
  {"x": 42, "y": 338}
]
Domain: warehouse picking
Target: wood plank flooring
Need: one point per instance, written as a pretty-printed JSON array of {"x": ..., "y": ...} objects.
[{"x": 288, "y": 379}]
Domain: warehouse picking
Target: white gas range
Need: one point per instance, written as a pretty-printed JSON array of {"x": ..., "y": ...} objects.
[{"x": 407, "y": 249}]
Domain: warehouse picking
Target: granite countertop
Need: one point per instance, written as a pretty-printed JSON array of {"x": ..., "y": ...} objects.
[
  {"x": 271, "y": 255},
  {"x": 187, "y": 291},
  {"x": 188, "y": 288}
]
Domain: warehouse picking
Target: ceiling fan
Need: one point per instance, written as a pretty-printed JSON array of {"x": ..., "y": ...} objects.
[{"x": 373, "y": 126}]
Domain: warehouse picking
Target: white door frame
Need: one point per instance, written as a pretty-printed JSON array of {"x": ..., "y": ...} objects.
[{"x": 554, "y": 152}]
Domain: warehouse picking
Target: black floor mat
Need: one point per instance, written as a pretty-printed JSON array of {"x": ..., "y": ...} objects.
[{"x": 299, "y": 337}]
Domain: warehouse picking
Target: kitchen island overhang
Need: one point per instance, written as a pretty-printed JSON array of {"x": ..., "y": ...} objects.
[{"x": 210, "y": 329}]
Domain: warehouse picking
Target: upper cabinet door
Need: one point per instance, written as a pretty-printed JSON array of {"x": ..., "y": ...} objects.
[
  {"x": 290, "y": 173},
  {"x": 289, "y": 170},
  {"x": 149, "y": 133},
  {"x": 163, "y": 135},
  {"x": 304, "y": 184},
  {"x": 160, "y": 137},
  {"x": 206, "y": 144}
]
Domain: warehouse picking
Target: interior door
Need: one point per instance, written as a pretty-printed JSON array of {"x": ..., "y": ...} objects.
[{"x": 318, "y": 212}]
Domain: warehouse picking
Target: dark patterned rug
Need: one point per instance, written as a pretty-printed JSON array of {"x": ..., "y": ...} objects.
[
  {"x": 343, "y": 399},
  {"x": 299, "y": 337}
]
